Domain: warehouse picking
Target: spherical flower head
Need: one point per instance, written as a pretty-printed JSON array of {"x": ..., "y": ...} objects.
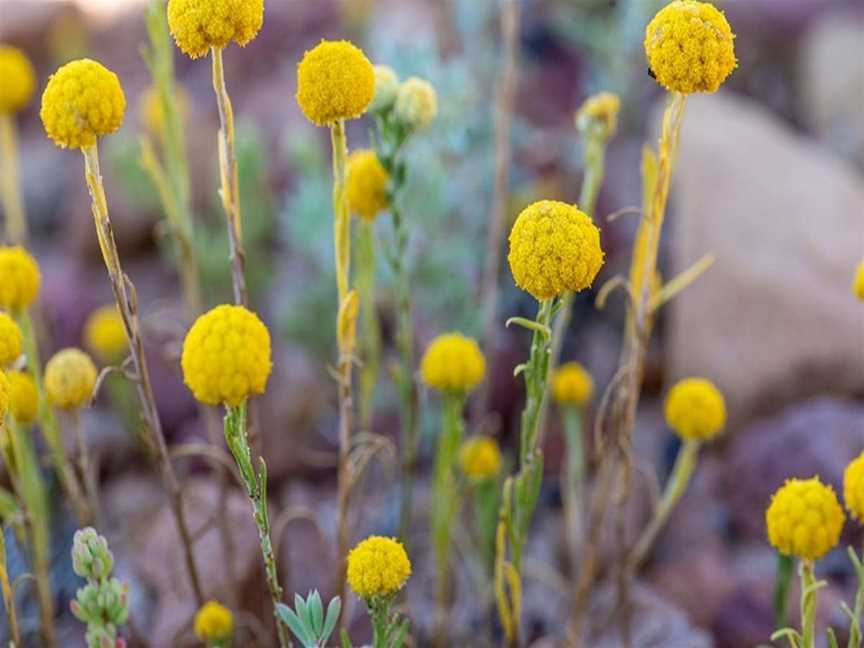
[
  {"x": 453, "y": 363},
  {"x": 858, "y": 283},
  {"x": 198, "y": 25},
  {"x": 804, "y": 519},
  {"x": 378, "y": 566},
  {"x": 152, "y": 112},
  {"x": 386, "y": 87},
  {"x": 690, "y": 47},
  {"x": 5, "y": 389},
  {"x": 599, "y": 110},
  {"x": 19, "y": 79},
  {"x": 19, "y": 278},
  {"x": 480, "y": 458},
  {"x": 853, "y": 488},
  {"x": 554, "y": 248},
  {"x": 695, "y": 409},
  {"x": 70, "y": 377},
  {"x": 10, "y": 340},
  {"x": 82, "y": 102},
  {"x": 214, "y": 622},
  {"x": 335, "y": 81},
  {"x": 23, "y": 397},
  {"x": 572, "y": 384},
  {"x": 366, "y": 184},
  {"x": 226, "y": 356},
  {"x": 105, "y": 335},
  {"x": 416, "y": 103}
]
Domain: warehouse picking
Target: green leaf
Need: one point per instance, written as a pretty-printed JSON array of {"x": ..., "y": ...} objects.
[
  {"x": 785, "y": 568},
  {"x": 832, "y": 639},
  {"x": 302, "y": 612},
  {"x": 316, "y": 612},
  {"x": 290, "y": 619},
  {"x": 346, "y": 641},
  {"x": 399, "y": 639},
  {"x": 333, "y": 611}
]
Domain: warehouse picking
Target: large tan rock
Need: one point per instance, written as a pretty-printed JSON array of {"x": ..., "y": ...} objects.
[{"x": 774, "y": 319}]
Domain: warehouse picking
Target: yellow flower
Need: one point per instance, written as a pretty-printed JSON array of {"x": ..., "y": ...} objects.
[
  {"x": 150, "y": 107},
  {"x": 690, "y": 47},
  {"x": 416, "y": 103},
  {"x": 695, "y": 409},
  {"x": 198, "y": 25},
  {"x": 19, "y": 278},
  {"x": 5, "y": 388},
  {"x": 804, "y": 519},
  {"x": 554, "y": 247},
  {"x": 70, "y": 377},
  {"x": 858, "y": 283},
  {"x": 335, "y": 81},
  {"x": 10, "y": 340},
  {"x": 214, "y": 622},
  {"x": 82, "y": 101},
  {"x": 386, "y": 87},
  {"x": 572, "y": 384},
  {"x": 378, "y": 566},
  {"x": 601, "y": 108},
  {"x": 453, "y": 363},
  {"x": 480, "y": 458},
  {"x": 853, "y": 488},
  {"x": 226, "y": 356},
  {"x": 105, "y": 335},
  {"x": 366, "y": 184},
  {"x": 23, "y": 397},
  {"x": 19, "y": 79}
]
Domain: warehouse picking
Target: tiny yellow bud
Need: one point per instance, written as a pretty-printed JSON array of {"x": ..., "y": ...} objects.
[
  {"x": 453, "y": 363},
  {"x": 601, "y": 110},
  {"x": 858, "y": 283},
  {"x": 378, "y": 566},
  {"x": 335, "y": 81},
  {"x": 11, "y": 340},
  {"x": 19, "y": 79},
  {"x": 853, "y": 488},
  {"x": 105, "y": 335},
  {"x": 214, "y": 622},
  {"x": 19, "y": 278},
  {"x": 151, "y": 110},
  {"x": 695, "y": 409},
  {"x": 366, "y": 184},
  {"x": 572, "y": 384},
  {"x": 386, "y": 87},
  {"x": 23, "y": 397},
  {"x": 480, "y": 458},
  {"x": 416, "y": 103},
  {"x": 804, "y": 519},
  {"x": 70, "y": 377}
]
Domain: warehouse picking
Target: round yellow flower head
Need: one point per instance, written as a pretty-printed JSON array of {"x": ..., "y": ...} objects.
[
  {"x": 105, "y": 335},
  {"x": 386, "y": 87},
  {"x": 416, "y": 103},
  {"x": 198, "y": 25},
  {"x": 480, "y": 458},
  {"x": 572, "y": 384},
  {"x": 226, "y": 356},
  {"x": 23, "y": 397},
  {"x": 5, "y": 389},
  {"x": 853, "y": 488},
  {"x": 10, "y": 341},
  {"x": 804, "y": 519},
  {"x": 600, "y": 109},
  {"x": 19, "y": 278},
  {"x": 378, "y": 566},
  {"x": 695, "y": 409},
  {"x": 689, "y": 46},
  {"x": 19, "y": 79},
  {"x": 151, "y": 112},
  {"x": 554, "y": 247},
  {"x": 366, "y": 184},
  {"x": 82, "y": 101},
  {"x": 453, "y": 363},
  {"x": 70, "y": 377},
  {"x": 214, "y": 622},
  {"x": 335, "y": 81},
  {"x": 858, "y": 283}
]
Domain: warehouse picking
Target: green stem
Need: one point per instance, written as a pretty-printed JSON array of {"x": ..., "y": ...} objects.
[
  {"x": 808, "y": 603},
  {"x": 370, "y": 341},
  {"x": 536, "y": 374},
  {"x": 574, "y": 478}
]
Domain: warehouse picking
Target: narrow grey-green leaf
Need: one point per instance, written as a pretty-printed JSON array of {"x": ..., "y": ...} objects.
[
  {"x": 290, "y": 619},
  {"x": 333, "y": 610}
]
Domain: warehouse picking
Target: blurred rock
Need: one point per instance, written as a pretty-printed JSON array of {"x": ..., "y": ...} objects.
[{"x": 773, "y": 320}]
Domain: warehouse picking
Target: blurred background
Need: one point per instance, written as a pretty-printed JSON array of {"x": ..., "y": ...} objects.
[{"x": 770, "y": 179}]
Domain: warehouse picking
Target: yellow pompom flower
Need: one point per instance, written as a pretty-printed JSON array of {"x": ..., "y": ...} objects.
[
  {"x": 572, "y": 384},
  {"x": 378, "y": 566},
  {"x": 416, "y": 103},
  {"x": 23, "y": 397},
  {"x": 226, "y": 356},
  {"x": 695, "y": 409},
  {"x": 198, "y": 25},
  {"x": 386, "y": 87},
  {"x": 105, "y": 335},
  {"x": 453, "y": 363},
  {"x": 554, "y": 248},
  {"x": 858, "y": 283},
  {"x": 690, "y": 47},
  {"x": 366, "y": 184},
  {"x": 853, "y": 488},
  {"x": 82, "y": 102},
  {"x": 804, "y": 519},
  {"x": 19, "y": 278},
  {"x": 19, "y": 79},
  {"x": 602, "y": 109},
  {"x": 480, "y": 458},
  {"x": 335, "y": 81},
  {"x": 214, "y": 622},
  {"x": 70, "y": 377},
  {"x": 150, "y": 107},
  {"x": 10, "y": 341},
  {"x": 5, "y": 388}
]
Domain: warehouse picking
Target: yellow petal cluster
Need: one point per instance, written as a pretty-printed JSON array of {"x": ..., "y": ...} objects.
[
  {"x": 804, "y": 519},
  {"x": 335, "y": 81},
  {"x": 602, "y": 109},
  {"x": 70, "y": 377},
  {"x": 214, "y": 622},
  {"x": 366, "y": 184},
  {"x": 416, "y": 103},
  {"x": 386, "y": 87},
  {"x": 695, "y": 409},
  {"x": 226, "y": 356},
  {"x": 4, "y": 396},
  {"x": 690, "y": 47},
  {"x": 572, "y": 384},
  {"x": 853, "y": 488},
  {"x": 378, "y": 566},
  {"x": 105, "y": 335},
  {"x": 19, "y": 278},
  {"x": 480, "y": 458},
  {"x": 554, "y": 248},
  {"x": 19, "y": 79},
  {"x": 198, "y": 25},
  {"x": 453, "y": 363},
  {"x": 858, "y": 283},
  {"x": 10, "y": 341},
  {"x": 152, "y": 112},
  {"x": 23, "y": 397},
  {"x": 82, "y": 102}
]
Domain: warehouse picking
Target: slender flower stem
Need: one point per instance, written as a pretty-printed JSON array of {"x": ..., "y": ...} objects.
[
  {"x": 8, "y": 598},
  {"x": 85, "y": 465},
  {"x": 536, "y": 374},
  {"x": 808, "y": 603},
  {"x": 573, "y": 478},
  {"x": 371, "y": 327},
  {"x": 10, "y": 193}
]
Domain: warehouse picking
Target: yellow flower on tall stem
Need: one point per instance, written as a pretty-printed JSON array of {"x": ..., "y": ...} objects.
[{"x": 214, "y": 625}]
